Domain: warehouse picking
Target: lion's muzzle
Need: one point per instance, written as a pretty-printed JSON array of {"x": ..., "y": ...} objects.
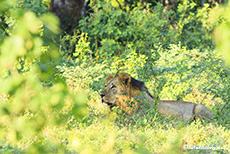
[{"x": 103, "y": 100}]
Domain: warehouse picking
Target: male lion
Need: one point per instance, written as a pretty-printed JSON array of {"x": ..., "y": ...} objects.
[{"x": 126, "y": 93}]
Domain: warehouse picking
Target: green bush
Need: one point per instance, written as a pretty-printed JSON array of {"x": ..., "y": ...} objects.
[
  {"x": 34, "y": 96},
  {"x": 112, "y": 30}
]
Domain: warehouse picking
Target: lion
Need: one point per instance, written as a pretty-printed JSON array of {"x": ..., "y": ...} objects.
[{"x": 126, "y": 93}]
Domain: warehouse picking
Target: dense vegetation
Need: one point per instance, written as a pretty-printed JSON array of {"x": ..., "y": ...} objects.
[{"x": 50, "y": 80}]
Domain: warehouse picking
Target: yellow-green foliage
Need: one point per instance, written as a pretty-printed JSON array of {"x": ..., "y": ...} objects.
[
  {"x": 222, "y": 33},
  {"x": 44, "y": 92}
]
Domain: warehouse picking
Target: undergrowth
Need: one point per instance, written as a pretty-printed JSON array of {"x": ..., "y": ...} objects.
[{"x": 50, "y": 83}]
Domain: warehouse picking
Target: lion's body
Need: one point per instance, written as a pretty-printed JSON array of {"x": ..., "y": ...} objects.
[
  {"x": 183, "y": 110},
  {"x": 126, "y": 93}
]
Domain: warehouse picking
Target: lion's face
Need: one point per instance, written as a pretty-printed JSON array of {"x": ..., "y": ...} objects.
[
  {"x": 112, "y": 92},
  {"x": 117, "y": 92}
]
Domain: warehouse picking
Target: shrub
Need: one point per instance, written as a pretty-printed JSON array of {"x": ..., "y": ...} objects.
[
  {"x": 34, "y": 97},
  {"x": 113, "y": 30}
]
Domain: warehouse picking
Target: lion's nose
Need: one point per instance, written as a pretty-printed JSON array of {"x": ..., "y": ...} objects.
[{"x": 102, "y": 95}]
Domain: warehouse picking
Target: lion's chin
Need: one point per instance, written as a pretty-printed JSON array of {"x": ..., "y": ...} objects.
[{"x": 107, "y": 104}]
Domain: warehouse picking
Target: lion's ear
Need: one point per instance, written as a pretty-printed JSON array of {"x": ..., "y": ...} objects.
[
  {"x": 108, "y": 78},
  {"x": 124, "y": 78}
]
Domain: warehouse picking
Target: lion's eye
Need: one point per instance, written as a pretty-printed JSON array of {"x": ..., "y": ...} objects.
[{"x": 113, "y": 87}]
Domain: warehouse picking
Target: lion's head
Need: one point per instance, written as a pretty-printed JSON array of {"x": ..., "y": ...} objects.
[{"x": 123, "y": 91}]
